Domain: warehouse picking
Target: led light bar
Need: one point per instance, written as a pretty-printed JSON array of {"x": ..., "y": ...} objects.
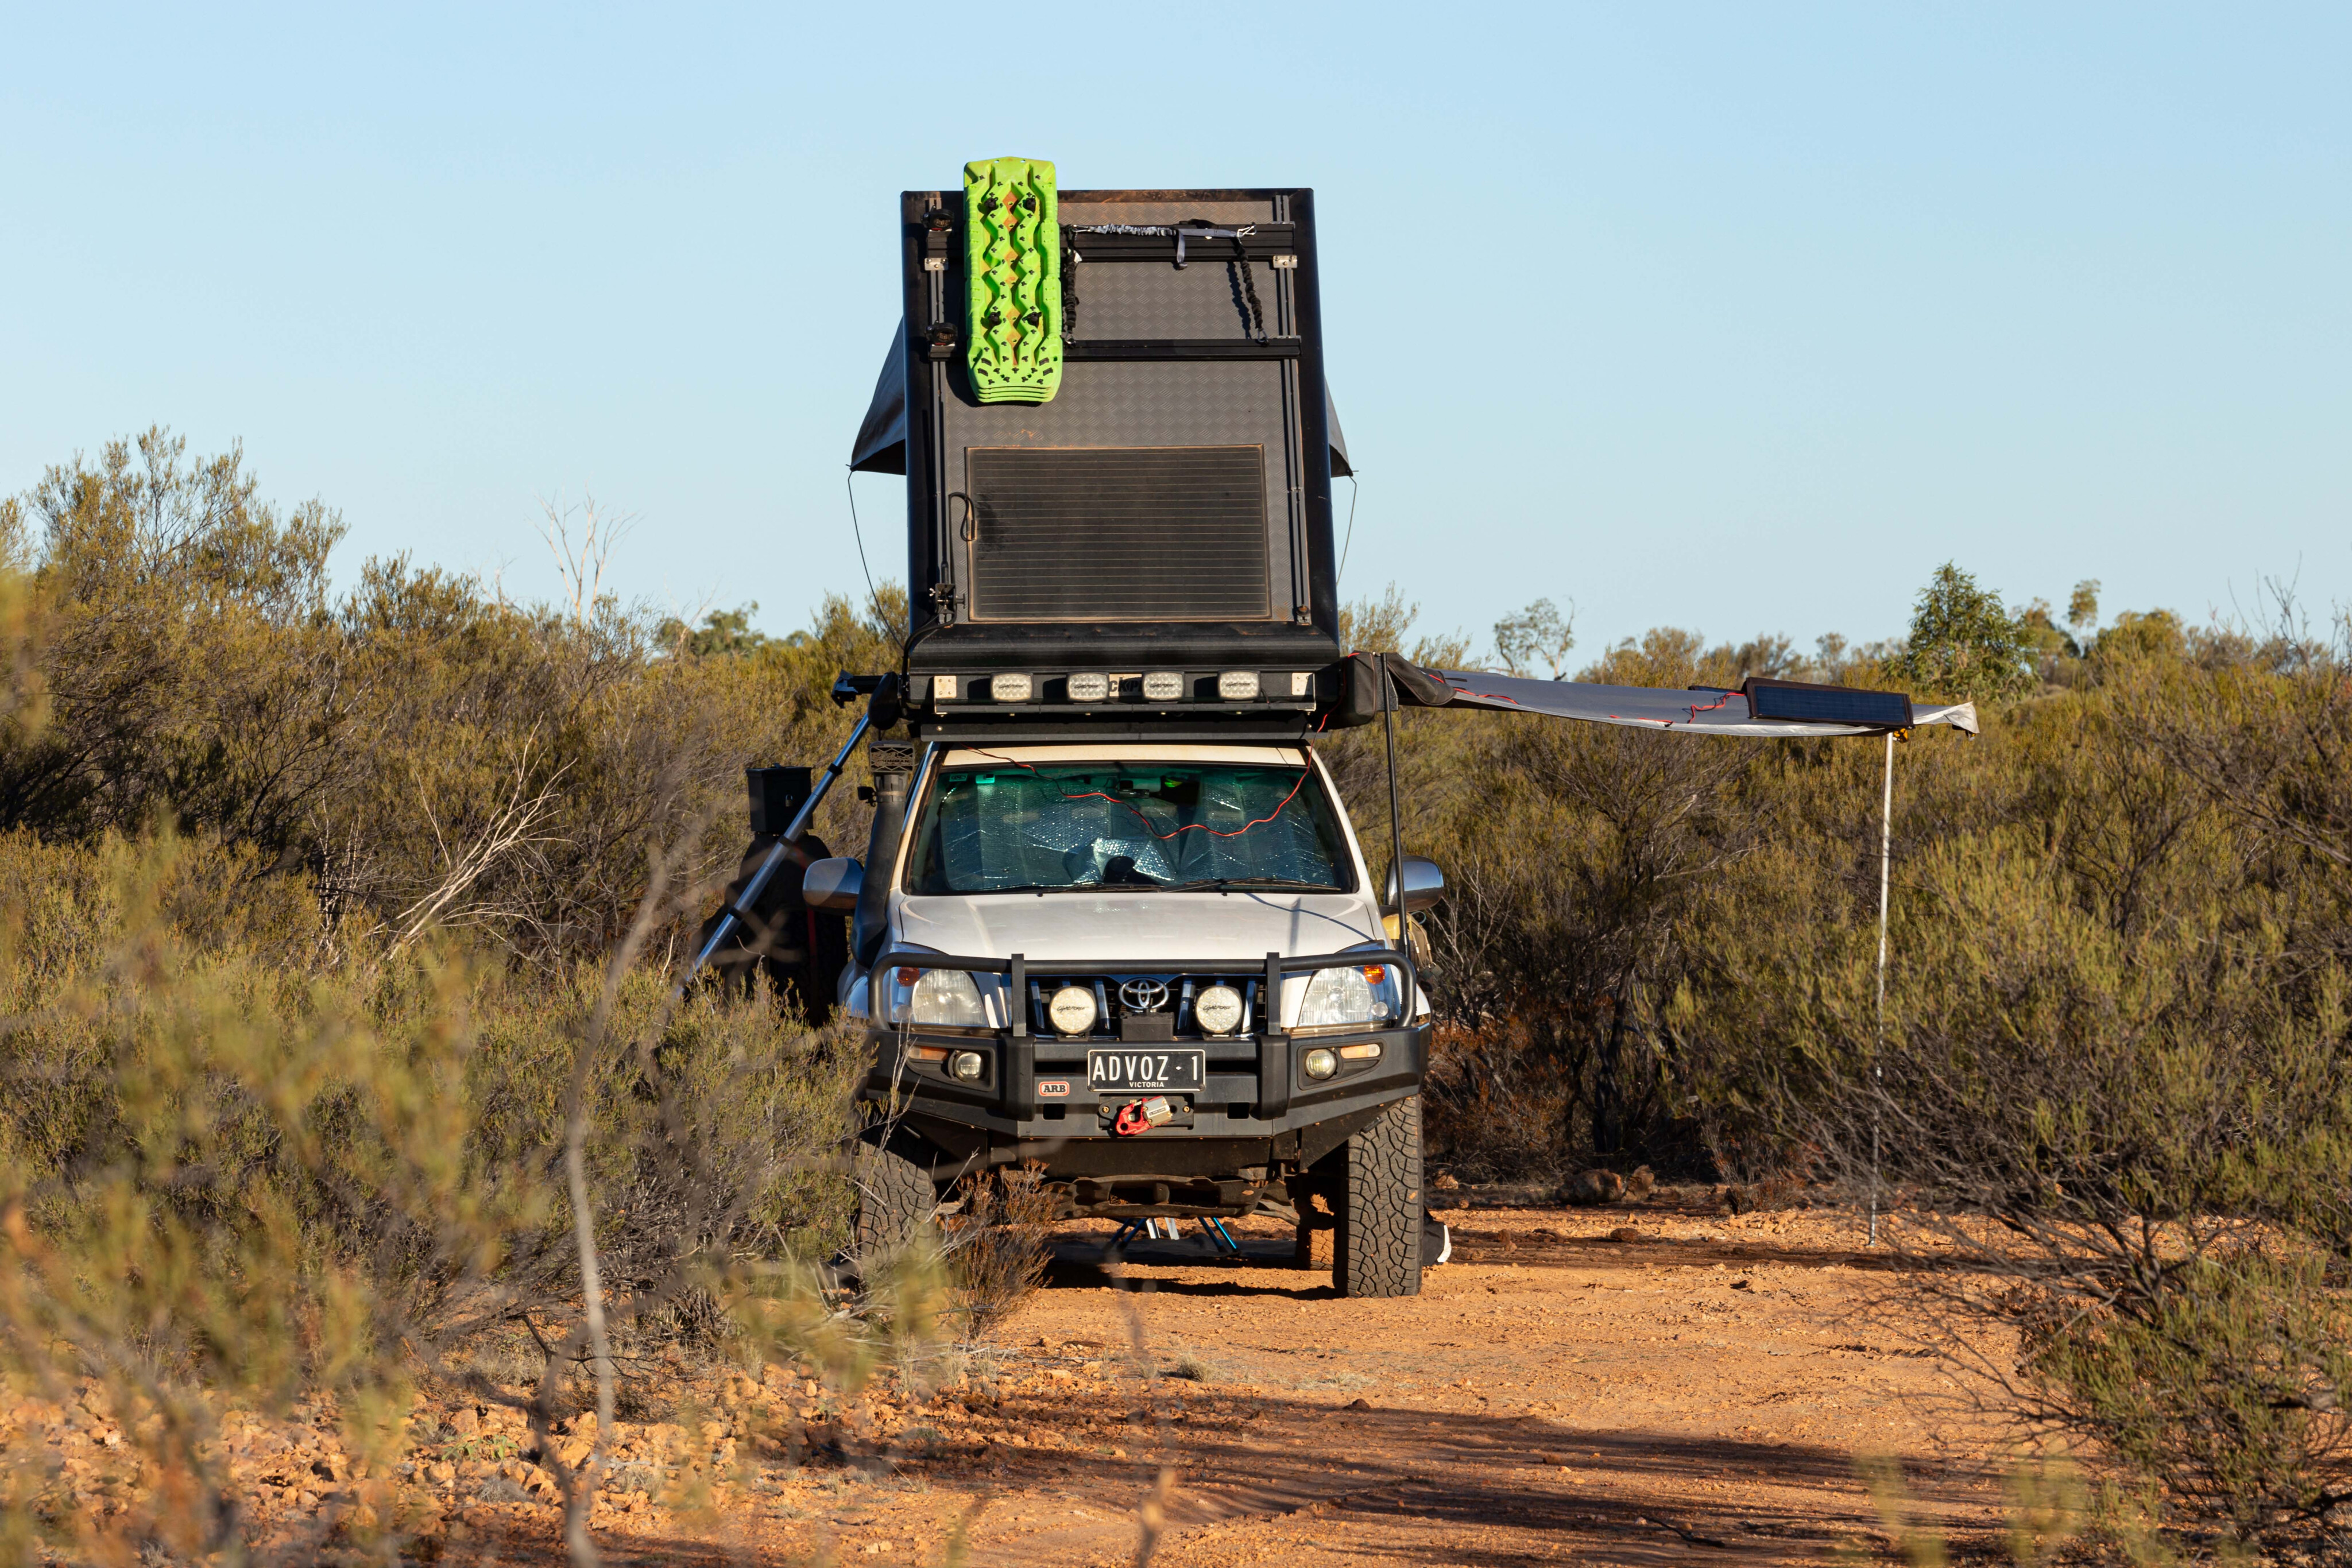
[
  {"x": 1238, "y": 686},
  {"x": 1163, "y": 687},
  {"x": 1089, "y": 688},
  {"x": 1008, "y": 688}
]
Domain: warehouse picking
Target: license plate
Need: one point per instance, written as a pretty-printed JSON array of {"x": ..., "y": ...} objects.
[{"x": 1158, "y": 1071}]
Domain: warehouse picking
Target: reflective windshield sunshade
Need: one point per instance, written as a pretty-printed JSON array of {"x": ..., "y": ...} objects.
[{"x": 1194, "y": 826}]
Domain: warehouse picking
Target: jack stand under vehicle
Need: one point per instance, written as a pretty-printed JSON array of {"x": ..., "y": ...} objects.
[{"x": 1221, "y": 1240}]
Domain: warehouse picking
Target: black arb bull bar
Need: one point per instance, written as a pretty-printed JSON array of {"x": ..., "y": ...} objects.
[{"x": 1257, "y": 1073}]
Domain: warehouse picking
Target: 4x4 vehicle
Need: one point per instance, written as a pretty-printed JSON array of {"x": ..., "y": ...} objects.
[
  {"x": 1154, "y": 973},
  {"x": 1111, "y": 921}
]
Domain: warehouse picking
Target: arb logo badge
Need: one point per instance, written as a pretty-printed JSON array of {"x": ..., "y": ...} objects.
[{"x": 1052, "y": 1089}]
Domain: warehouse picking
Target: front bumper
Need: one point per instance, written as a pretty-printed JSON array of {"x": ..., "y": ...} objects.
[{"x": 1256, "y": 1107}]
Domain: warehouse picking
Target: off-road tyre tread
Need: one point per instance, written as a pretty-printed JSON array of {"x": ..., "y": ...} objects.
[
  {"x": 1376, "y": 1244},
  {"x": 894, "y": 1195}
]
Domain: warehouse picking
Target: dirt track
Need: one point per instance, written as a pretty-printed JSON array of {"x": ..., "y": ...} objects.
[{"x": 1702, "y": 1395}]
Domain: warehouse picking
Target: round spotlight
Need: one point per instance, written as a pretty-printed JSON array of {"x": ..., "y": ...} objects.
[
  {"x": 1218, "y": 1009},
  {"x": 966, "y": 1065},
  {"x": 1322, "y": 1061},
  {"x": 1072, "y": 1010}
]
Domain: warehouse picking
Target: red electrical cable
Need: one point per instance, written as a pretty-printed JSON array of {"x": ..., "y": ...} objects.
[
  {"x": 1187, "y": 828},
  {"x": 1710, "y": 708}
]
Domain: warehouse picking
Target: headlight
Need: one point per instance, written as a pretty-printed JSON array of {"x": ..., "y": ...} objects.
[
  {"x": 1217, "y": 1009},
  {"x": 1072, "y": 1010},
  {"x": 967, "y": 1065},
  {"x": 945, "y": 999},
  {"x": 1354, "y": 994},
  {"x": 1321, "y": 1062}
]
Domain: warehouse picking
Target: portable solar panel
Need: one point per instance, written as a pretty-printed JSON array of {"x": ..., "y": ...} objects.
[{"x": 1804, "y": 701}]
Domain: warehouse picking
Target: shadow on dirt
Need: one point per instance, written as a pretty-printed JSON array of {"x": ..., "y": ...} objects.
[
  {"x": 1085, "y": 1266},
  {"x": 1082, "y": 1261},
  {"x": 1449, "y": 1479},
  {"x": 1540, "y": 1250}
]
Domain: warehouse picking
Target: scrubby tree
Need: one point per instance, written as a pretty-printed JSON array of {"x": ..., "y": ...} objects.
[
  {"x": 2082, "y": 608},
  {"x": 1539, "y": 634},
  {"x": 1964, "y": 645}
]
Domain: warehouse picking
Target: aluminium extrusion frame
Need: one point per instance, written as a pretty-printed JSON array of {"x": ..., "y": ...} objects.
[{"x": 939, "y": 585}]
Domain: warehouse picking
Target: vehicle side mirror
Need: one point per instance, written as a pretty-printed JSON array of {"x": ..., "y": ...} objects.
[
  {"x": 1424, "y": 886},
  {"x": 833, "y": 883}
]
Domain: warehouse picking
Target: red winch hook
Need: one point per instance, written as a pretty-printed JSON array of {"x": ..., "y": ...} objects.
[{"x": 1143, "y": 1115}]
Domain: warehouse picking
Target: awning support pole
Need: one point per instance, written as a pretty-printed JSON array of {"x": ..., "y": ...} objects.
[
  {"x": 1396, "y": 819},
  {"x": 1877, "y": 1069}
]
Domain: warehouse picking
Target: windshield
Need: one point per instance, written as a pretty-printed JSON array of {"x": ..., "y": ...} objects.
[{"x": 1009, "y": 827}]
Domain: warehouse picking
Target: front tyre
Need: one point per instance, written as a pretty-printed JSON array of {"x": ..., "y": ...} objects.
[
  {"x": 895, "y": 1199},
  {"x": 1376, "y": 1244}
]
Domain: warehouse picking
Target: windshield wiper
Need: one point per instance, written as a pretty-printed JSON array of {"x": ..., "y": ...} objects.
[
  {"x": 1058, "y": 887},
  {"x": 1210, "y": 884}
]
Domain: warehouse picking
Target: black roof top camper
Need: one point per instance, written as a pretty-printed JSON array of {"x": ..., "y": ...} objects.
[{"x": 1119, "y": 463}]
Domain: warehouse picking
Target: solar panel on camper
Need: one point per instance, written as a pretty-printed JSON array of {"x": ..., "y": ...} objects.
[{"x": 1153, "y": 533}]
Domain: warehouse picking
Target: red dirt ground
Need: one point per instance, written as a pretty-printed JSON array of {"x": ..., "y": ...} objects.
[{"x": 1703, "y": 1393}]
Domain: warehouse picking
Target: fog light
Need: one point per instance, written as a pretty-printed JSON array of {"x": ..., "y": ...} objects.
[
  {"x": 1237, "y": 685},
  {"x": 1321, "y": 1062},
  {"x": 1072, "y": 1010},
  {"x": 1163, "y": 685},
  {"x": 966, "y": 1065},
  {"x": 1008, "y": 688},
  {"x": 1089, "y": 688},
  {"x": 1218, "y": 1009},
  {"x": 943, "y": 689}
]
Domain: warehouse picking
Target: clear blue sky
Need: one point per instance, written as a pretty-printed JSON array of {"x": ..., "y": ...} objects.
[{"x": 1782, "y": 305}]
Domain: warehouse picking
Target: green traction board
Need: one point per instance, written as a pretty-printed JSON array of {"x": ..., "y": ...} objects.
[{"x": 1013, "y": 256}]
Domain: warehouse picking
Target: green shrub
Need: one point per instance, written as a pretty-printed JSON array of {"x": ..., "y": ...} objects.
[{"x": 227, "y": 1175}]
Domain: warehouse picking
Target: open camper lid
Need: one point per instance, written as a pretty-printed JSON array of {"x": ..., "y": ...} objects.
[
  {"x": 881, "y": 444},
  {"x": 1110, "y": 412}
]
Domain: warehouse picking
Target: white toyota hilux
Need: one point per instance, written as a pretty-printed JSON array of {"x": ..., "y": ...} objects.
[{"x": 1155, "y": 975}]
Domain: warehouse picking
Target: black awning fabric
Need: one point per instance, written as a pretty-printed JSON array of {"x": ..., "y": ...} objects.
[{"x": 881, "y": 443}]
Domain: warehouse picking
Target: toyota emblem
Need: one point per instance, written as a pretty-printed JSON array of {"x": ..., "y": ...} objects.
[{"x": 1143, "y": 995}]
